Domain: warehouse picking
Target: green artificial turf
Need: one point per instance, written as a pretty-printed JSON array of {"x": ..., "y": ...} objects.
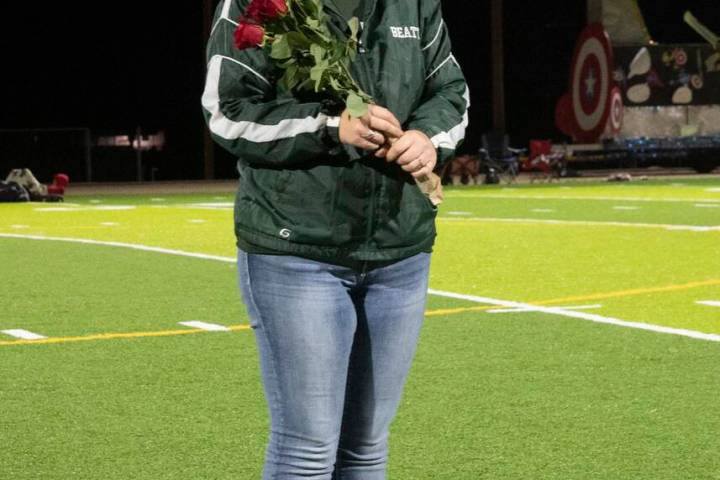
[{"x": 490, "y": 396}]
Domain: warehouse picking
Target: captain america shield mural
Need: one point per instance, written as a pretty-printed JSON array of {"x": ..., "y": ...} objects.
[{"x": 591, "y": 82}]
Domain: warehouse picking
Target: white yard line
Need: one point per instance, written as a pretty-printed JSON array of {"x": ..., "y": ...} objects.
[
  {"x": 581, "y": 315},
  {"x": 23, "y": 334},
  {"x": 451, "y": 195},
  {"x": 101, "y": 208},
  {"x": 471, "y": 298},
  {"x": 534, "y": 309},
  {"x": 132, "y": 246},
  {"x": 664, "y": 226}
]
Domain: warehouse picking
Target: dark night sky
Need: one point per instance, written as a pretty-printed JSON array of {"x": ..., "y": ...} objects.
[{"x": 142, "y": 64}]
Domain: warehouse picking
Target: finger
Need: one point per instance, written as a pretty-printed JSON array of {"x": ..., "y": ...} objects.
[
  {"x": 423, "y": 172},
  {"x": 398, "y": 148},
  {"x": 365, "y": 144},
  {"x": 385, "y": 114},
  {"x": 382, "y": 152},
  {"x": 373, "y": 137},
  {"x": 377, "y": 123},
  {"x": 411, "y": 154},
  {"x": 413, "y": 166}
]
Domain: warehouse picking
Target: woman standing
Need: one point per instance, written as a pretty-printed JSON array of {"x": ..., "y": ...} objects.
[{"x": 334, "y": 236}]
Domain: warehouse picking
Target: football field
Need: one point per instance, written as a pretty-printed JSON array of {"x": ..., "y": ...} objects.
[{"x": 572, "y": 332}]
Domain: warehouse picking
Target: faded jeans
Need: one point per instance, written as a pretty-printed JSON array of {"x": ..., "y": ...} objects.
[{"x": 335, "y": 347}]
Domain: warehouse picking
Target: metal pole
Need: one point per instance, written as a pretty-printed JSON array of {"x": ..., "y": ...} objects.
[
  {"x": 498, "y": 66},
  {"x": 208, "y": 145},
  {"x": 88, "y": 156}
]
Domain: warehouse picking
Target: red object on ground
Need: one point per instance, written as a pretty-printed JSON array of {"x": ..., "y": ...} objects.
[
  {"x": 564, "y": 116},
  {"x": 539, "y": 159},
  {"x": 60, "y": 181}
]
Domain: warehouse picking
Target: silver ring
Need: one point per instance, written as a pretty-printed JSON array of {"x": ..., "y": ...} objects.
[{"x": 369, "y": 135}]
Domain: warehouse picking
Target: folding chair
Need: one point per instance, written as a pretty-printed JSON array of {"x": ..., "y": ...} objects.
[
  {"x": 498, "y": 159},
  {"x": 543, "y": 162}
]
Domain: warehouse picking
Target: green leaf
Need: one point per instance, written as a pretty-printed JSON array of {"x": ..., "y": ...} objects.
[
  {"x": 298, "y": 40},
  {"x": 317, "y": 73},
  {"x": 318, "y": 52},
  {"x": 291, "y": 78},
  {"x": 280, "y": 48},
  {"x": 356, "y": 105},
  {"x": 354, "y": 25}
]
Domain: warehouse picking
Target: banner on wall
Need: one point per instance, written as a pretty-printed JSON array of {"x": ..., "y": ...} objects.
[{"x": 663, "y": 75}]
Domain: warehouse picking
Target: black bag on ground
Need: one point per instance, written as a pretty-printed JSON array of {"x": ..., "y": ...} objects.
[{"x": 12, "y": 192}]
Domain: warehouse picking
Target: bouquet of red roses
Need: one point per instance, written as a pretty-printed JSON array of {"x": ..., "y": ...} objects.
[{"x": 298, "y": 39}]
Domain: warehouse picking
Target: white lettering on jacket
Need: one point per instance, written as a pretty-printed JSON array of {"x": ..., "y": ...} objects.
[{"x": 405, "y": 32}]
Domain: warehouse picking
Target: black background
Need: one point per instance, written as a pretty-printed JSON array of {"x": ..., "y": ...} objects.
[{"x": 112, "y": 67}]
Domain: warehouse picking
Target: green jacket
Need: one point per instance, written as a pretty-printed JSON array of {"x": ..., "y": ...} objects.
[{"x": 301, "y": 191}]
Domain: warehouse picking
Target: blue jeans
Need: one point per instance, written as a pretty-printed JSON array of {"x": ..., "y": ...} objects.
[{"x": 335, "y": 347}]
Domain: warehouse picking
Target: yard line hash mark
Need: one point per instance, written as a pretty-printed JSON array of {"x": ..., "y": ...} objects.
[
  {"x": 709, "y": 303},
  {"x": 23, "y": 334},
  {"x": 208, "y": 327}
]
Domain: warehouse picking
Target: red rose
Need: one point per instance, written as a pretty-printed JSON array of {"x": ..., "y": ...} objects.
[
  {"x": 248, "y": 35},
  {"x": 275, "y": 8},
  {"x": 263, "y": 10}
]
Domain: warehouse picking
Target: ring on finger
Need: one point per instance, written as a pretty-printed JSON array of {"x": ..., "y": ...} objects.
[{"x": 369, "y": 135}]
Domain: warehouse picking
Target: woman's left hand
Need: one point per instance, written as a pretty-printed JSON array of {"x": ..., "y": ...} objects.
[{"x": 414, "y": 152}]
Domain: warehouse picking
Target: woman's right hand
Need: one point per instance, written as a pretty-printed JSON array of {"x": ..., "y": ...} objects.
[{"x": 370, "y": 131}]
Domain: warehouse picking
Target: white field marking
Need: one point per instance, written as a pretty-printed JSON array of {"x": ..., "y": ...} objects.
[
  {"x": 210, "y": 205},
  {"x": 521, "y": 310},
  {"x": 581, "y": 315},
  {"x": 220, "y": 198},
  {"x": 109, "y": 224},
  {"x": 707, "y": 205},
  {"x": 23, "y": 334},
  {"x": 483, "y": 300},
  {"x": 19, "y": 227},
  {"x": 691, "y": 228},
  {"x": 678, "y": 184},
  {"x": 459, "y": 214},
  {"x": 132, "y": 246},
  {"x": 56, "y": 209},
  {"x": 624, "y": 207},
  {"x": 713, "y": 190},
  {"x": 157, "y": 199},
  {"x": 208, "y": 327},
  {"x": 542, "y": 210},
  {"x": 197, "y": 220},
  {"x": 455, "y": 194},
  {"x": 95, "y": 200},
  {"x": 104, "y": 208},
  {"x": 709, "y": 303},
  {"x": 115, "y": 207}
]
